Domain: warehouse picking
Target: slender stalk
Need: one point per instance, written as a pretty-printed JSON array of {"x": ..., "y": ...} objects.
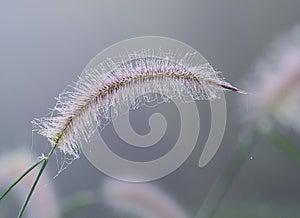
[
  {"x": 219, "y": 189},
  {"x": 20, "y": 178},
  {"x": 285, "y": 144},
  {"x": 240, "y": 155},
  {"x": 46, "y": 159}
]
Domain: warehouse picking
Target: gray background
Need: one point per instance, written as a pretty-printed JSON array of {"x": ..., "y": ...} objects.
[{"x": 44, "y": 45}]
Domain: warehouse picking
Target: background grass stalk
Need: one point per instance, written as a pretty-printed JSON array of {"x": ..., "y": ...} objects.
[
  {"x": 285, "y": 145},
  {"x": 221, "y": 186}
]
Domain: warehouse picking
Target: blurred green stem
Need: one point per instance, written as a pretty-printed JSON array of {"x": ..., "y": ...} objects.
[
  {"x": 220, "y": 187},
  {"x": 285, "y": 144},
  {"x": 240, "y": 155}
]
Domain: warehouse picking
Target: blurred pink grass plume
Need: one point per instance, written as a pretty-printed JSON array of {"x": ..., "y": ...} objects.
[
  {"x": 144, "y": 200},
  {"x": 277, "y": 80}
]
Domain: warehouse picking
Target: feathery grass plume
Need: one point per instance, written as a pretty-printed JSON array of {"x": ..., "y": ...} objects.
[
  {"x": 278, "y": 80},
  {"x": 43, "y": 203},
  {"x": 144, "y": 200},
  {"x": 112, "y": 87}
]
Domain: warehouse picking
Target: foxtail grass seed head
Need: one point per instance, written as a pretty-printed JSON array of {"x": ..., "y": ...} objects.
[
  {"x": 115, "y": 86},
  {"x": 277, "y": 82}
]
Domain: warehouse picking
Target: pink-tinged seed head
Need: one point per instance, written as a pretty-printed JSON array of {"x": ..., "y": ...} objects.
[
  {"x": 102, "y": 90},
  {"x": 277, "y": 81}
]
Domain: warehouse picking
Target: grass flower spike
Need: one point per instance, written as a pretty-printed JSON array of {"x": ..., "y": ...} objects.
[
  {"x": 278, "y": 79},
  {"x": 113, "y": 87},
  {"x": 115, "y": 84}
]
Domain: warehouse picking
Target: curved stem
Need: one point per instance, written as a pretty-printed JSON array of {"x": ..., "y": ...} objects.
[
  {"x": 242, "y": 151},
  {"x": 46, "y": 159},
  {"x": 285, "y": 144},
  {"x": 21, "y": 177},
  {"x": 219, "y": 189}
]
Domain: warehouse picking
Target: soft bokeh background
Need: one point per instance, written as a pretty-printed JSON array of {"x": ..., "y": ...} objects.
[{"x": 44, "y": 45}]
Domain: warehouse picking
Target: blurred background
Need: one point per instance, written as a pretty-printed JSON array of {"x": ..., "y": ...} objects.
[{"x": 45, "y": 45}]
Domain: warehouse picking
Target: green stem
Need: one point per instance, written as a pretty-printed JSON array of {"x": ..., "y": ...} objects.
[
  {"x": 20, "y": 178},
  {"x": 221, "y": 186},
  {"x": 285, "y": 144},
  {"x": 240, "y": 154},
  {"x": 46, "y": 159}
]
